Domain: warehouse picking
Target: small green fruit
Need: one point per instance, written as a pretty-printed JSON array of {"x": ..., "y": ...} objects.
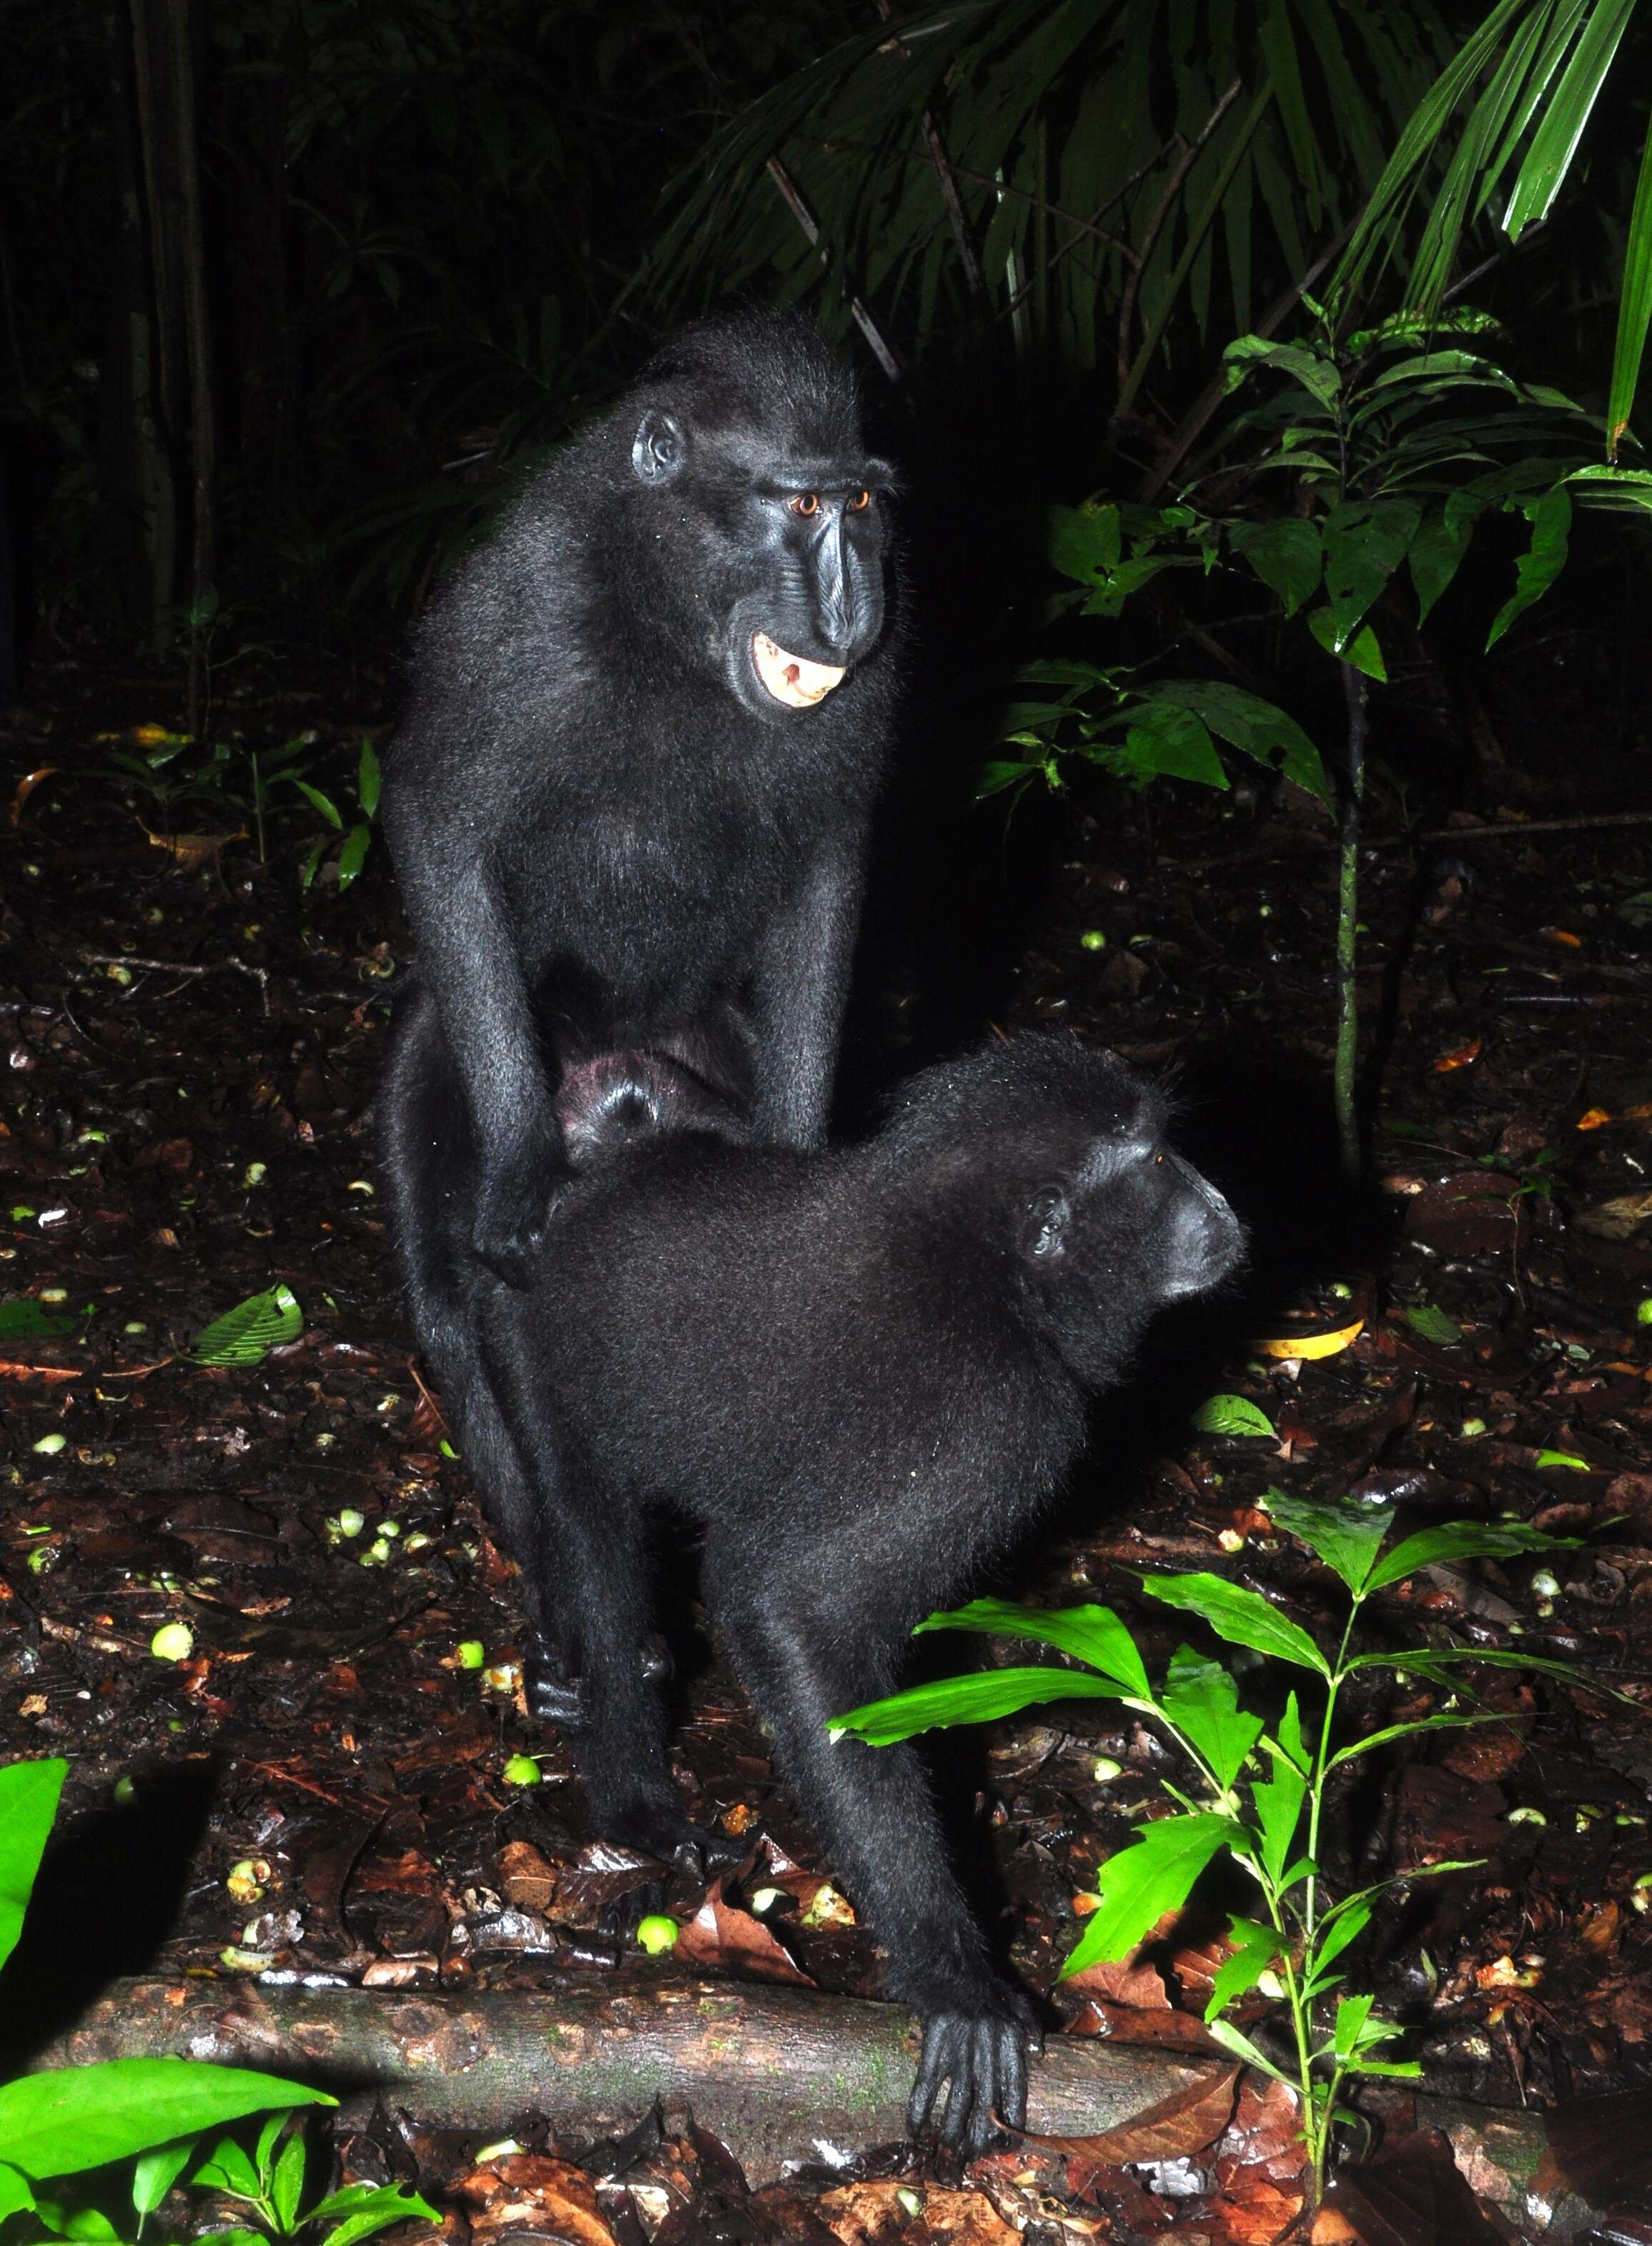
[
  {"x": 472, "y": 1653},
  {"x": 521, "y": 1770},
  {"x": 1643, "y": 1311},
  {"x": 1093, "y": 940},
  {"x": 49, "y": 1446},
  {"x": 173, "y": 1641},
  {"x": 656, "y": 1934}
]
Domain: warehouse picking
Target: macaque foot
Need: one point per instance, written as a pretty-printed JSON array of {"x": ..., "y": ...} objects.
[
  {"x": 515, "y": 1212},
  {"x": 980, "y": 2049},
  {"x": 659, "y": 1827},
  {"x": 555, "y": 1695}
]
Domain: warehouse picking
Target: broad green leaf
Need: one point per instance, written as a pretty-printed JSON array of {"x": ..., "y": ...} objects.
[
  {"x": 79, "y": 2117},
  {"x": 1161, "y": 740},
  {"x": 1463, "y": 1540},
  {"x": 23, "y": 1318},
  {"x": 1202, "y": 1701},
  {"x": 360, "y": 2198},
  {"x": 1094, "y": 1634},
  {"x": 993, "y": 779},
  {"x": 1362, "y": 650},
  {"x": 1432, "y": 1322},
  {"x": 229, "y": 2167},
  {"x": 1289, "y": 1741},
  {"x": 1279, "y": 1807},
  {"x": 1442, "y": 539},
  {"x": 980, "y": 1699},
  {"x": 1314, "y": 373},
  {"x": 1634, "y": 308},
  {"x": 1365, "y": 542},
  {"x": 1551, "y": 521},
  {"x": 1352, "y": 1752},
  {"x": 1243, "y": 1617},
  {"x": 1286, "y": 556},
  {"x": 1224, "y": 2032},
  {"x": 369, "y": 779},
  {"x": 1347, "y": 1927},
  {"x": 1554, "y": 143},
  {"x": 1440, "y": 1665},
  {"x": 247, "y": 1334},
  {"x": 1257, "y": 728},
  {"x": 16, "y": 2193},
  {"x": 391, "y": 2203},
  {"x": 329, "y": 810},
  {"x": 1085, "y": 542},
  {"x": 1232, "y": 1415},
  {"x": 1257, "y": 1947},
  {"x": 287, "y": 2184},
  {"x": 29, "y": 1793},
  {"x": 352, "y": 854},
  {"x": 1154, "y": 1873},
  {"x": 1351, "y": 2013},
  {"x": 155, "y": 2173},
  {"x": 1346, "y": 1537}
]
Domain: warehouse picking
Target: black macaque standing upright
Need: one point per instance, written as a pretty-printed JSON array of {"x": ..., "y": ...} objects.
[
  {"x": 858, "y": 1374},
  {"x": 629, "y": 807}
]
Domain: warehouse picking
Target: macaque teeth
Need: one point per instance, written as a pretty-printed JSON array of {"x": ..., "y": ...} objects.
[{"x": 792, "y": 678}]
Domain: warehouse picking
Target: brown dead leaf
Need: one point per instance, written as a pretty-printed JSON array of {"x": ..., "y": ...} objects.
[
  {"x": 719, "y": 1935},
  {"x": 1410, "y": 2194},
  {"x": 527, "y": 1877},
  {"x": 875, "y": 2214},
  {"x": 25, "y": 788},
  {"x": 1616, "y": 1219},
  {"x": 191, "y": 852},
  {"x": 1592, "y": 1118},
  {"x": 1460, "y": 1057},
  {"x": 1174, "y": 2128},
  {"x": 1116, "y": 1983},
  {"x": 527, "y": 2191}
]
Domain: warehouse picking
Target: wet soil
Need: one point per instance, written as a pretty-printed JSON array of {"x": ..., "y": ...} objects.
[{"x": 190, "y": 1040}]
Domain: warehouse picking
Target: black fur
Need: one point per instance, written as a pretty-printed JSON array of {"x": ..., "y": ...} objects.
[
  {"x": 608, "y": 834},
  {"x": 859, "y": 1372}
]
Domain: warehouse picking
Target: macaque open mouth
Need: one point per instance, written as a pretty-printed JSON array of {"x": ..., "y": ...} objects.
[{"x": 792, "y": 678}]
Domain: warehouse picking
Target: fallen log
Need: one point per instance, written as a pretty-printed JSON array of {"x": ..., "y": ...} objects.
[{"x": 781, "y": 2074}]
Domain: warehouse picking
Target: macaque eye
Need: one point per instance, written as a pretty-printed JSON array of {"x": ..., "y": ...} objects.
[
  {"x": 860, "y": 502},
  {"x": 806, "y": 503},
  {"x": 1159, "y": 1160}
]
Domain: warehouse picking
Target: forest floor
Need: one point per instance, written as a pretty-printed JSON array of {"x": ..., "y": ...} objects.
[{"x": 317, "y": 1793}]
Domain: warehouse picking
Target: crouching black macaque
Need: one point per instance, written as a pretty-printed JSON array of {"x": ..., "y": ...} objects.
[
  {"x": 858, "y": 1374},
  {"x": 628, "y": 807}
]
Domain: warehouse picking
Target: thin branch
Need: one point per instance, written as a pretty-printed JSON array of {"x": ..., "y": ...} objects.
[
  {"x": 948, "y": 184},
  {"x": 805, "y": 217}
]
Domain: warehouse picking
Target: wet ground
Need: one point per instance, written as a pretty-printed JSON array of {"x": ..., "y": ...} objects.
[{"x": 190, "y": 1041}]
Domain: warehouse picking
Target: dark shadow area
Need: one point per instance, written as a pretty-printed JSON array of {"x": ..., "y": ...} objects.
[{"x": 110, "y": 1890}]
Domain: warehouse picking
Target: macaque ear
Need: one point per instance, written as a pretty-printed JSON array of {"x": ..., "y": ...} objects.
[
  {"x": 1044, "y": 1231},
  {"x": 660, "y": 448}
]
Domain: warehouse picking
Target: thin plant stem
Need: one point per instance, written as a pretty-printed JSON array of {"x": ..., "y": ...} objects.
[{"x": 1348, "y": 1130}]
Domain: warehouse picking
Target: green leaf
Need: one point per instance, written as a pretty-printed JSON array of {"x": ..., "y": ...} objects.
[
  {"x": 1161, "y": 740},
  {"x": 1635, "y": 308},
  {"x": 1310, "y": 368},
  {"x": 1440, "y": 1665},
  {"x": 29, "y": 1793},
  {"x": 1551, "y": 521},
  {"x": 1256, "y": 728},
  {"x": 1279, "y": 1807},
  {"x": 1362, "y": 650},
  {"x": 1286, "y": 555},
  {"x": 1437, "y": 552},
  {"x": 992, "y": 779},
  {"x": 1564, "y": 1459},
  {"x": 1346, "y": 1927},
  {"x": 79, "y": 2117},
  {"x": 1201, "y": 1701},
  {"x": 1462, "y": 1539},
  {"x": 1224, "y": 2032},
  {"x": 1351, "y": 2013},
  {"x": 227, "y": 2167},
  {"x": 16, "y": 2193},
  {"x": 1242, "y": 1617},
  {"x": 383, "y": 2204},
  {"x": 352, "y": 854},
  {"x": 1352, "y": 1752},
  {"x": 1086, "y": 543},
  {"x": 312, "y": 859},
  {"x": 1232, "y": 1415},
  {"x": 23, "y": 1318},
  {"x": 1257, "y": 1947},
  {"x": 287, "y": 2184},
  {"x": 1154, "y": 1873},
  {"x": 247, "y": 1334},
  {"x": 369, "y": 778},
  {"x": 1094, "y": 1634},
  {"x": 1365, "y": 542},
  {"x": 1429, "y": 1320},
  {"x": 155, "y": 2173},
  {"x": 977, "y": 1699},
  {"x": 1346, "y": 1537},
  {"x": 329, "y": 810}
]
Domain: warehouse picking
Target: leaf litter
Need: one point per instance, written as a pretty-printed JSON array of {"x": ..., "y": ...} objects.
[{"x": 177, "y": 1145}]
